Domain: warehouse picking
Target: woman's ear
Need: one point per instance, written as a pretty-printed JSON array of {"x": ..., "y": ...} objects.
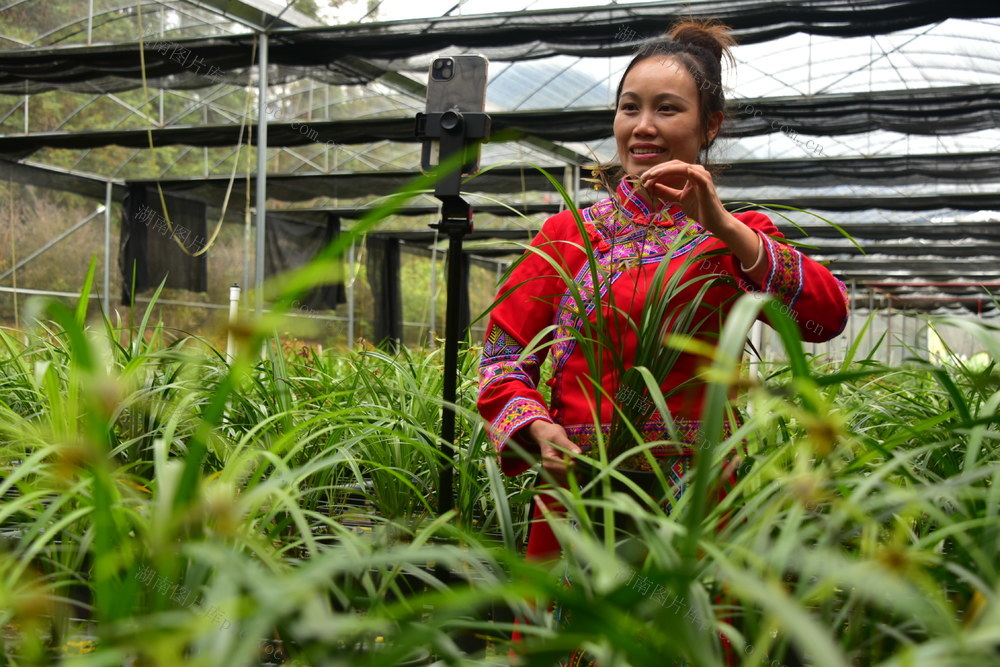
[{"x": 714, "y": 123}]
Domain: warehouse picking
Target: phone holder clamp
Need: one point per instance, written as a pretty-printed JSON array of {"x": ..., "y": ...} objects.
[{"x": 459, "y": 133}]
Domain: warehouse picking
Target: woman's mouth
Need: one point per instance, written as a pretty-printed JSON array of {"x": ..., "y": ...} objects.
[{"x": 646, "y": 151}]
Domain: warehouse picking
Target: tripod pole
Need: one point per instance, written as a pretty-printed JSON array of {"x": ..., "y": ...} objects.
[{"x": 453, "y": 334}]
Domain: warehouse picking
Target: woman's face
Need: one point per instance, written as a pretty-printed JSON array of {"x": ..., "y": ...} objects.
[{"x": 658, "y": 117}]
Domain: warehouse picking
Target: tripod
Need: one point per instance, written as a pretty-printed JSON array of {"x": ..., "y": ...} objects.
[{"x": 459, "y": 135}]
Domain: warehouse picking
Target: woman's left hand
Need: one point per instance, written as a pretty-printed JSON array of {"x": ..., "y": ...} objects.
[{"x": 691, "y": 186}]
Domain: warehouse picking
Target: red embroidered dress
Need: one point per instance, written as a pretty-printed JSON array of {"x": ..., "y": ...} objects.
[
  {"x": 629, "y": 242},
  {"x": 536, "y": 314}
]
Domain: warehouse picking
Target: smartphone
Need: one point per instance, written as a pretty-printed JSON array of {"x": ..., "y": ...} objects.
[{"x": 454, "y": 83}]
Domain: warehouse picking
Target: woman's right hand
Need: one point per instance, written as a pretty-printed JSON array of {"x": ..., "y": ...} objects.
[{"x": 554, "y": 448}]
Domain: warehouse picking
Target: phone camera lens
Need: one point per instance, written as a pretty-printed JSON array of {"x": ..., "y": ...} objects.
[{"x": 443, "y": 69}]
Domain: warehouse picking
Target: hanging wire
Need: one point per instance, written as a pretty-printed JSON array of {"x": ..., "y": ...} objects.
[
  {"x": 232, "y": 175},
  {"x": 13, "y": 253}
]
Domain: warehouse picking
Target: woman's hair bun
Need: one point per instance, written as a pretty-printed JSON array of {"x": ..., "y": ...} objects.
[{"x": 709, "y": 34}]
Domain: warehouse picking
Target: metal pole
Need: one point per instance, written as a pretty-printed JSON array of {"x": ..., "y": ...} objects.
[
  {"x": 576, "y": 185},
  {"x": 350, "y": 297},
  {"x": 902, "y": 335},
  {"x": 568, "y": 173},
  {"x": 326, "y": 112},
  {"x": 433, "y": 316},
  {"x": 757, "y": 340},
  {"x": 246, "y": 245},
  {"x": 871, "y": 313},
  {"x": 44, "y": 292},
  {"x": 852, "y": 289},
  {"x": 765, "y": 342},
  {"x": 204, "y": 150},
  {"x": 234, "y": 314},
  {"x": 107, "y": 245},
  {"x": 90, "y": 21},
  {"x": 888, "y": 334},
  {"x": 258, "y": 278}
]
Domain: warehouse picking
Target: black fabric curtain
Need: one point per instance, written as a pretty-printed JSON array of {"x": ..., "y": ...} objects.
[
  {"x": 281, "y": 187},
  {"x": 940, "y": 111},
  {"x": 811, "y": 172},
  {"x": 877, "y": 171},
  {"x": 326, "y": 53},
  {"x": 290, "y": 244},
  {"x": 150, "y": 247},
  {"x": 959, "y": 201},
  {"x": 383, "y": 277},
  {"x": 928, "y": 111},
  {"x": 57, "y": 180}
]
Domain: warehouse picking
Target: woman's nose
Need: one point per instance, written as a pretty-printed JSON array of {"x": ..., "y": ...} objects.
[{"x": 644, "y": 125}]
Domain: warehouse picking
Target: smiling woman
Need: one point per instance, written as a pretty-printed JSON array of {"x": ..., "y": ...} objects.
[{"x": 604, "y": 286}]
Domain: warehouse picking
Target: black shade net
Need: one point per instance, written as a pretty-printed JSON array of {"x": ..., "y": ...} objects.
[
  {"x": 326, "y": 54},
  {"x": 941, "y": 111},
  {"x": 873, "y": 171}
]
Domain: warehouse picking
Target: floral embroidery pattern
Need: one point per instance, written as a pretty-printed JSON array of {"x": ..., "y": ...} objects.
[
  {"x": 785, "y": 278},
  {"x": 517, "y": 413},
  {"x": 585, "y": 435},
  {"x": 502, "y": 359}
]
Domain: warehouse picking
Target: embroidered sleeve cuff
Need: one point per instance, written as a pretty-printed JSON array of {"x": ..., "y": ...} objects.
[
  {"x": 503, "y": 359},
  {"x": 518, "y": 413},
  {"x": 784, "y": 276}
]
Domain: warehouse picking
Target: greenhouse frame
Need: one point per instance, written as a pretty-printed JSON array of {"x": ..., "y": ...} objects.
[{"x": 228, "y": 431}]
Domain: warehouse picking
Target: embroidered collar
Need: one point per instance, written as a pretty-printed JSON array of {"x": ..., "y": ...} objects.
[{"x": 635, "y": 208}]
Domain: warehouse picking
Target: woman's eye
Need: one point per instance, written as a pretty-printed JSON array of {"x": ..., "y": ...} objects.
[{"x": 668, "y": 107}]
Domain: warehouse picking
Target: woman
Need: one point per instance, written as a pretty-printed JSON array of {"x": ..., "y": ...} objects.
[{"x": 668, "y": 114}]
